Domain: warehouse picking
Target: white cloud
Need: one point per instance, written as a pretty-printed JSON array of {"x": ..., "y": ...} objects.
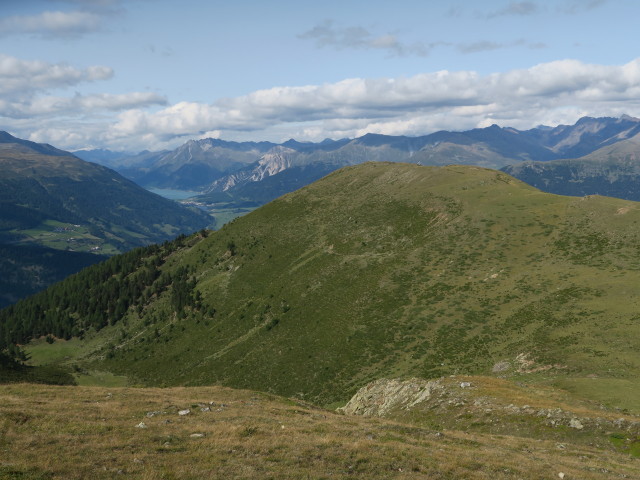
[
  {"x": 24, "y": 83},
  {"x": 26, "y": 106},
  {"x": 25, "y": 77},
  {"x": 52, "y": 24},
  {"x": 548, "y": 93},
  {"x": 413, "y": 105},
  {"x": 79, "y": 104}
]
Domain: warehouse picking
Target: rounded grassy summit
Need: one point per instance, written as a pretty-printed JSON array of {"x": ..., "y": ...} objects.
[{"x": 376, "y": 271}]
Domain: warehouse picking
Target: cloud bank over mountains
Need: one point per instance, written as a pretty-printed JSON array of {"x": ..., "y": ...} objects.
[
  {"x": 376, "y": 70},
  {"x": 549, "y": 93}
]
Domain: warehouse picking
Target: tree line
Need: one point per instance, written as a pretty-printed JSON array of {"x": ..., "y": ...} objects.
[{"x": 97, "y": 296}]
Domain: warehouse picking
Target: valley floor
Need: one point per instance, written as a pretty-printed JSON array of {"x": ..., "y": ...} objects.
[{"x": 49, "y": 432}]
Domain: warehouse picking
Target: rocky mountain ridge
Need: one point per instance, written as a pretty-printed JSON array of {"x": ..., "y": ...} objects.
[
  {"x": 213, "y": 166},
  {"x": 613, "y": 170},
  {"x": 276, "y": 160}
]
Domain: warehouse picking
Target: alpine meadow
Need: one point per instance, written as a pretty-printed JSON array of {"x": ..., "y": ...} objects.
[
  {"x": 378, "y": 271},
  {"x": 319, "y": 240}
]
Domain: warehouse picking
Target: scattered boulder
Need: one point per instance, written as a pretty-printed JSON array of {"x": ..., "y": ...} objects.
[
  {"x": 141, "y": 425},
  {"x": 575, "y": 423},
  {"x": 184, "y": 412}
]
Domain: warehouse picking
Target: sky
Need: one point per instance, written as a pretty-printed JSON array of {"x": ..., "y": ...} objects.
[{"x": 130, "y": 75}]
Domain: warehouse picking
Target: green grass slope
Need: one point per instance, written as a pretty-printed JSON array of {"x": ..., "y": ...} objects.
[
  {"x": 380, "y": 270},
  {"x": 498, "y": 406}
]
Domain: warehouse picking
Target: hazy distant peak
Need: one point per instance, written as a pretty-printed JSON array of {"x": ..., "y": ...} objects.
[{"x": 629, "y": 118}]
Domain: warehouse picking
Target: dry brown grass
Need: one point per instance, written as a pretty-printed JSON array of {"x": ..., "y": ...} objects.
[
  {"x": 506, "y": 392},
  {"x": 83, "y": 432}
]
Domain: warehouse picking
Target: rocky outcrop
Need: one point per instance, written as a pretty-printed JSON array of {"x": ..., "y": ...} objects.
[
  {"x": 271, "y": 163},
  {"x": 467, "y": 403},
  {"x": 385, "y": 395}
]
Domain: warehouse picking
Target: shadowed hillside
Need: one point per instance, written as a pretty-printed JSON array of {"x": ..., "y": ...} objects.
[
  {"x": 59, "y": 213},
  {"x": 613, "y": 171}
]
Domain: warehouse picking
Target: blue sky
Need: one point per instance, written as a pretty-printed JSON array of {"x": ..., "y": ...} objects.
[{"x": 151, "y": 74}]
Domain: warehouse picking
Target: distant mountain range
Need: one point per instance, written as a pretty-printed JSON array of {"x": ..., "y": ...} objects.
[
  {"x": 613, "y": 171},
  {"x": 257, "y": 172},
  {"x": 59, "y": 213}
]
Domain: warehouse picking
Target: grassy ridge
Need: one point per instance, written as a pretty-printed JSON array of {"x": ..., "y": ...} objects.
[
  {"x": 388, "y": 270},
  {"x": 498, "y": 406}
]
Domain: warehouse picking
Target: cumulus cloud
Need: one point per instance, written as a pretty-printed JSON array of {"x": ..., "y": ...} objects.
[
  {"x": 327, "y": 34},
  {"x": 26, "y": 104},
  {"x": 548, "y": 93},
  {"x": 25, "y": 77},
  {"x": 413, "y": 105},
  {"x": 78, "y": 104},
  {"x": 52, "y": 24}
]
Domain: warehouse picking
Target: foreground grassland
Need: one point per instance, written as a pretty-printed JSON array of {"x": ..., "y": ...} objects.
[{"x": 80, "y": 432}]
